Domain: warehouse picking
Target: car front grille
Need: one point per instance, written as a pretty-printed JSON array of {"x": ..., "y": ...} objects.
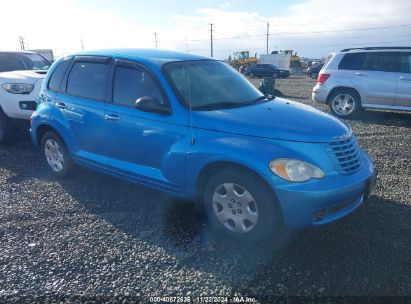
[{"x": 346, "y": 155}]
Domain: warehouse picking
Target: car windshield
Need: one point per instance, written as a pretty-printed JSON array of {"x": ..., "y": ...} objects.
[
  {"x": 22, "y": 61},
  {"x": 274, "y": 66},
  {"x": 210, "y": 84}
]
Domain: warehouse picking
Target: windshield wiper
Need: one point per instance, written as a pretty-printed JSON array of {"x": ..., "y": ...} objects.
[
  {"x": 264, "y": 98},
  {"x": 218, "y": 105}
]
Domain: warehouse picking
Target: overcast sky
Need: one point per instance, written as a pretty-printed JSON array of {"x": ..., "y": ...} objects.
[{"x": 313, "y": 28}]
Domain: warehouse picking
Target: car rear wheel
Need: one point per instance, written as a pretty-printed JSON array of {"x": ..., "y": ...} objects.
[
  {"x": 345, "y": 103},
  {"x": 241, "y": 206},
  {"x": 251, "y": 75},
  {"x": 7, "y": 132},
  {"x": 56, "y": 154}
]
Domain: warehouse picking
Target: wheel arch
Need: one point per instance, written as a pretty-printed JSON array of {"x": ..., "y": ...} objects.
[
  {"x": 210, "y": 169},
  {"x": 341, "y": 88},
  {"x": 43, "y": 129}
]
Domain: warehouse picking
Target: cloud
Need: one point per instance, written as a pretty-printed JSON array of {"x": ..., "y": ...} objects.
[{"x": 63, "y": 23}]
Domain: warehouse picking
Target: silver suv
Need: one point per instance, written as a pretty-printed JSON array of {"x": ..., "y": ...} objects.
[{"x": 362, "y": 78}]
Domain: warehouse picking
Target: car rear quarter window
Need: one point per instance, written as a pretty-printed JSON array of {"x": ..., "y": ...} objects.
[
  {"x": 132, "y": 83},
  {"x": 352, "y": 61},
  {"x": 88, "y": 80},
  {"x": 58, "y": 74}
]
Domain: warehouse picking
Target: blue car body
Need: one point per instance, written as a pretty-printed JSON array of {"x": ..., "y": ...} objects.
[{"x": 170, "y": 152}]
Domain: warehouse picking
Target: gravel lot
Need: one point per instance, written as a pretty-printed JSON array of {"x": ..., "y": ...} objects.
[{"x": 93, "y": 237}]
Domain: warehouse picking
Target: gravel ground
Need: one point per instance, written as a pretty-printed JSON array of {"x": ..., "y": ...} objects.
[{"x": 92, "y": 237}]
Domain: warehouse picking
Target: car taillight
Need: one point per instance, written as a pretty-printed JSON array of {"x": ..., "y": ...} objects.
[{"x": 322, "y": 78}]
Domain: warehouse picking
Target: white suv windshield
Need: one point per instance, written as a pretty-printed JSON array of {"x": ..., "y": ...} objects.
[
  {"x": 20, "y": 61},
  {"x": 209, "y": 84}
]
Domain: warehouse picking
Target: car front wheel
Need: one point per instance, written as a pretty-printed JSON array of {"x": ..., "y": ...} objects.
[
  {"x": 313, "y": 75},
  {"x": 7, "y": 133},
  {"x": 241, "y": 206},
  {"x": 56, "y": 154},
  {"x": 345, "y": 103}
]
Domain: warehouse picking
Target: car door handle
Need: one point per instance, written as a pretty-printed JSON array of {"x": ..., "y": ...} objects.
[
  {"x": 61, "y": 105},
  {"x": 405, "y": 78},
  {"x": 111, "y": 117},
  {"x": 361, "y": 74}
]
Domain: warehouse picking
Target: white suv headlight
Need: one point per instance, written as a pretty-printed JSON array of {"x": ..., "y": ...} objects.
[
  {"x": 18, "y": 88},
  {"x": 295, "y": 170}
]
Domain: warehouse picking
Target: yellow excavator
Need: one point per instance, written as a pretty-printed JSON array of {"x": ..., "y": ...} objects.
[{"x": 242, "y": 58}]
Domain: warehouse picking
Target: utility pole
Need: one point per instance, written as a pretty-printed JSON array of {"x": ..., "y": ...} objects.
[
  {"x": 268, "y": 33},
  {"x": 22, "y": 46},
  {"x": 155, "y": 39},
  {"x": 82, "y": 44},
  {"x": 211, "y": 33}
]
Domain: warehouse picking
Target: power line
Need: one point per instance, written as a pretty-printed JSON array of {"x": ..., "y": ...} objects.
[
  {"x": 296, "y": 33},
  {"x": 323, "y": 46}
]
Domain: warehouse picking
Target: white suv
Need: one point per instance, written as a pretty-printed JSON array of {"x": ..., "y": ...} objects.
[
  {"x": 21, "y": 76},
  {"x": 361, "y": 78}
]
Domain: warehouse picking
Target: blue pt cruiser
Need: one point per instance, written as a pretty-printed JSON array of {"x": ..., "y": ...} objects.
[{"x": 194, "y": 127}]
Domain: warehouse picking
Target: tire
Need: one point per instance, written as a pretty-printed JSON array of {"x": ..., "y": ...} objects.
[
  {"x": 251, "y": 214},
  {"x": 345, "y": 103},
  {"x": 7, "y": 132},
  {"x": 56, "y": 154},
  {"x": 275, "y": 75},
  {"x": 313, "y": 75},
  {"x": 251, "y": 75}
]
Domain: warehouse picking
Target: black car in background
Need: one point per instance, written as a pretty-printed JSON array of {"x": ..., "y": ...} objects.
[
  {"x": 266, "y": 70},
  {"x": 314, "y": 70}
]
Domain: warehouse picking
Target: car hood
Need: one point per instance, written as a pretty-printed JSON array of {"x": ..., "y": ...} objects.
[
  {"x": 28, "y": 76},
  {"x": 277, "y": 119}
]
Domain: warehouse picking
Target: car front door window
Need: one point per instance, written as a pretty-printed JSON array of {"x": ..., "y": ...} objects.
[{"x": 131, "y": 84}]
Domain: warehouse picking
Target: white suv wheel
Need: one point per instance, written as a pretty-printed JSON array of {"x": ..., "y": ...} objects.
[{"x": 343, "y": 104}]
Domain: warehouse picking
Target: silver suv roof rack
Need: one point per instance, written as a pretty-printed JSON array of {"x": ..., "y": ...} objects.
[{"x": 375, "y": 48}]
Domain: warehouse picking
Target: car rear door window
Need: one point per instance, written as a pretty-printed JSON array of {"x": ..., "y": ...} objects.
[
  {"x": 383, "y": 61},
  {"x": 132, "y": 83},
  {"x": 58, "y": 74},
  {"x": 88, "y": 80}
]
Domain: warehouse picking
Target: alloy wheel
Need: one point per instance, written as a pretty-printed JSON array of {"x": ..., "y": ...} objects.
[
  {"x": 343, "y": 104},
  {"x": 235, "y": 208}
]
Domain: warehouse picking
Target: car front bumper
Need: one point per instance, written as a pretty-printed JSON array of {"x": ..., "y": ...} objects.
[
  {"x": 19, "y": 106},
  {"x": 326, "y": 200}
]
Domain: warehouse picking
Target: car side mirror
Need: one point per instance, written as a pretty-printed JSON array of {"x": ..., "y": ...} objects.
[{"x": 152, "y": 105}]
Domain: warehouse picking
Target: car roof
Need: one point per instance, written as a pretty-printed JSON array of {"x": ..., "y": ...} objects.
[
  {"x": 377, "y": 49},
  {"x": 17, "y": 52},
  {"x": 155, "y": 56}
]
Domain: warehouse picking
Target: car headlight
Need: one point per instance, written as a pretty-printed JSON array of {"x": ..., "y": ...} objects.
[
  {"x": 18, "y": 88},
  {"x": 295, "y": 170}
]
